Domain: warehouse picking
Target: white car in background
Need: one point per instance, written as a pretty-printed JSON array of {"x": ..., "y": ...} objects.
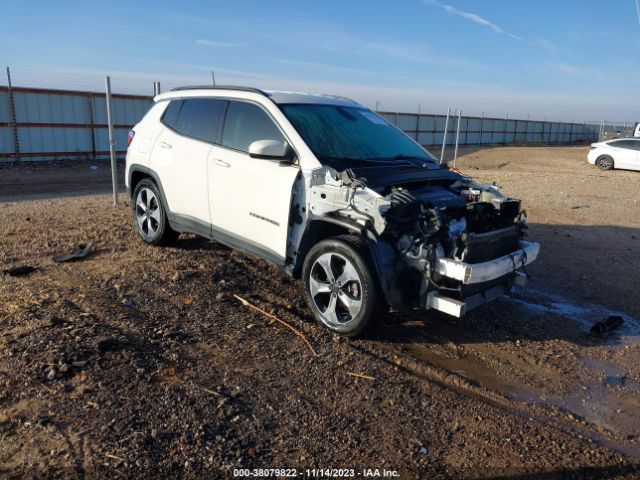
[{"x": 621, "y": 153}]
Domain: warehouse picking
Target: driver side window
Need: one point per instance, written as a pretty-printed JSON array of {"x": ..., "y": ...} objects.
[{"x": 245, "y": 123}]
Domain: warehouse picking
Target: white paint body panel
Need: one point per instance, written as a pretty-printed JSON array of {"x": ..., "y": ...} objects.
[
  {"x": 250, "y": 198},
  {"x": 181, "y": 164}
]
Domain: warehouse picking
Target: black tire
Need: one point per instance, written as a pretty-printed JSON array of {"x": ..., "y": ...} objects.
[
  {"x": 151, "y": 223},
  {"x": 364, "y": 291},
  {"x": 605, "y": 162}
]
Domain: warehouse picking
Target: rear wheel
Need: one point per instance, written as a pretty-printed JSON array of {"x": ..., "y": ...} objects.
[
  {"x": 149, "y": 215},
  {"x": 605, "y": 162},
  {"x": 341, "y": 286}
]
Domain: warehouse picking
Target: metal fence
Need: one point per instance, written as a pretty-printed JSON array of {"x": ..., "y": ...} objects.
[
  {"x": 47, "y": 124},
  {"x": 428, "y": 130},
  {"x": 44, "y": 124}
]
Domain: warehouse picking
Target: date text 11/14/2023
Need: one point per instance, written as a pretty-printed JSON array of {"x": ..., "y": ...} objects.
[{"x": 315, "y": 473}]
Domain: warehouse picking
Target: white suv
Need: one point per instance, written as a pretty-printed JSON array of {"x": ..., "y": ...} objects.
[{"x": 327, "y": 190}]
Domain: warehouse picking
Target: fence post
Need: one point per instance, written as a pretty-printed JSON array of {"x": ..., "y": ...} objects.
[
  {"x": 112, "y": 153},
  {"x": 444, "y": 137},
  {"x": 12, "y": 113},
  {"x": 455, "y": 154}
]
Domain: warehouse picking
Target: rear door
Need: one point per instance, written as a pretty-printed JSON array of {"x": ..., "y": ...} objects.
[
  {"x": 180, "y": 158},
  {"x": 250, "y": 198}
]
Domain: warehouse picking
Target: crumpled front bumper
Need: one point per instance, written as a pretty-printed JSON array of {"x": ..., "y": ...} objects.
[
  {"x": 469, "y": 273},
  {"x": 477, "y": 274}
]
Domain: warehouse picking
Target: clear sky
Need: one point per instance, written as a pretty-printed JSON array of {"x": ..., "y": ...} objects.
[{"x": 562, "y": 59}]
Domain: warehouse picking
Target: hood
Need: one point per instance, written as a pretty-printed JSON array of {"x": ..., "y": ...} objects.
[{"x": 381, "y": 176}]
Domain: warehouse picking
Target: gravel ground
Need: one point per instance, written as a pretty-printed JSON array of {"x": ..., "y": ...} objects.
[{"x": 140, "y": 362}]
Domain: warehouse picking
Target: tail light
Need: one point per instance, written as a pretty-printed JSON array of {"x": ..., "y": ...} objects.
[{"x": 130, "y": 137}]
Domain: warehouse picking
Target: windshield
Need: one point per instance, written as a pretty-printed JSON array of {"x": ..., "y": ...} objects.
[{"x": 342, "y": 136}]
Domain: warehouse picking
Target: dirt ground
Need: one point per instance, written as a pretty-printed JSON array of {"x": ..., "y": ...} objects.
[{"x": 140, "y": 362}]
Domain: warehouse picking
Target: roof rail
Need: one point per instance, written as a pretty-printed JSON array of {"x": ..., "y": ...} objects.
[{"x": 220, "y": 87}]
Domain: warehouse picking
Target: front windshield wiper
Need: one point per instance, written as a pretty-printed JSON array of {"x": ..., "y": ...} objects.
[
  {"x": 347, "y": 159},
  {"x": 407, "y": 157}
]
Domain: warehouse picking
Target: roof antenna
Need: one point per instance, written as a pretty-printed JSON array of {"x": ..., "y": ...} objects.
[{"x": 213, "y": 78}]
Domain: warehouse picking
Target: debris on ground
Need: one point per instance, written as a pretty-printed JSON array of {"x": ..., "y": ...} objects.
[
  {"x": 128, "y": 303},
  {"x": 360, "y": 375},
  {"x": 20, "y": 271},
  {"x": 602, "y": 329},
  {"x": 76, "y": 254},
  {"x": 273, "y": 317}
]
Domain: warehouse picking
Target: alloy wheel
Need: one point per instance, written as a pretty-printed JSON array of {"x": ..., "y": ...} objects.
[{"x": 336, "y": 289}]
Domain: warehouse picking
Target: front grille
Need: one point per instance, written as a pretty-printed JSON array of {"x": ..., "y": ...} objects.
[{"x": 483, "y": 247}]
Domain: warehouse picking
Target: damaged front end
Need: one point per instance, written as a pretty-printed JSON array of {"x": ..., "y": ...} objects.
[{"x": 439, "y": 240}]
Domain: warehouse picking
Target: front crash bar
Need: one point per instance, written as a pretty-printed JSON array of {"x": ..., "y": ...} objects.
[
  {"x": 470, "y": 273},
  {"x": 457, "y": 308}
]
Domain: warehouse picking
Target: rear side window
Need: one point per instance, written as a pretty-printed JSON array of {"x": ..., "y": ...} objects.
[
  {"x": 170, "y": 115},
  {"x": 198, "y": 118},
  {"x": 245, "y": 123},
  {"x": 628, "y": 144}
]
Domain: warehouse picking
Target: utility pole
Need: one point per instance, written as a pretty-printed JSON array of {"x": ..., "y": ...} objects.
[
  {"x": 112, "y": 152},
  {"x": 213, "y": 78}
]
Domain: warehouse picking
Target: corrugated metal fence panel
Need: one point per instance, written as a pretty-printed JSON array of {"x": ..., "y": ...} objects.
[
  {"x": 428, "y": 130},
  {"x": 68, "y": 124},
  {"x": 126, "y": 111},
  {"x": 102, "y": 138},
  {"x": 65, "y": 124},
  {"x": 4, "y": 107},
  {"x": 6, "y": 142},
  {"x": 407, "y": 122},
  {"x": 50, "y": 108},
  {"x": 48, "y": 139}
]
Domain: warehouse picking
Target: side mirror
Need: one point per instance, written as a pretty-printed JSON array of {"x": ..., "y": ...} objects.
[{"x": 270, "y": 150}]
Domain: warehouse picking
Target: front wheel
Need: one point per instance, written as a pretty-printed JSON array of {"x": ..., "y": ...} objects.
[
  {"x": 149, "y": 215},
  {"x": 341, "y": 286},
  {"x": 605, "y": 162}
]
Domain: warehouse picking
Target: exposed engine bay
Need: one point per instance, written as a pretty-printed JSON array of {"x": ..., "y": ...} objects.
[{"x": 452, "y": 238}]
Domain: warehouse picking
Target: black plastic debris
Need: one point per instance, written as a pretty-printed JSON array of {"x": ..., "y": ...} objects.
[
  {"x": 81, "y": 252},
  {"x": 20, "y": 271},
  {"x": 128, "y": 303},
  {"x": 602, "y": 329}
]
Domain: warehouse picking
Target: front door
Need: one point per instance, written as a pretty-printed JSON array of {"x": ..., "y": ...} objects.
[{"x": 250, "y": 198}]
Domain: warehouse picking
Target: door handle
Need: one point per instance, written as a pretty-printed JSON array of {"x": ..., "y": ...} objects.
[
  {"x": 165, "y": 145},
  {"x": 222, "y": 163}
]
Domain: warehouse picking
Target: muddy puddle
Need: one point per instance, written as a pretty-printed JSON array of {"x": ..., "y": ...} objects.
[{"x": 609, "y": 400}]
